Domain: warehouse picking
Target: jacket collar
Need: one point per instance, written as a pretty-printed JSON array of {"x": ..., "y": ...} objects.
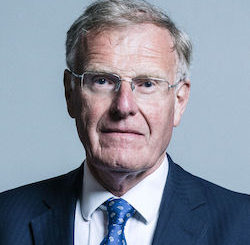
[
  {"x": 183, "y": 211},
  {"x": 55, "y": 222}
]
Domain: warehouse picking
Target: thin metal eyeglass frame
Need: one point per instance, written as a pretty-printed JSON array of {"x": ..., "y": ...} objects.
[{"x": 118, "y": 85}]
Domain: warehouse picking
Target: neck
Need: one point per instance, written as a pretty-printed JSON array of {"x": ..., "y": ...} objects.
[{"x": 119, "y": 182}]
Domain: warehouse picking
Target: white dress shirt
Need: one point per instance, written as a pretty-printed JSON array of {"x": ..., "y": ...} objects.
[{"x": 91, "y": 220}]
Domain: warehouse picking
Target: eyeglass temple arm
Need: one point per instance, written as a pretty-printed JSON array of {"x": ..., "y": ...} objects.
[
  {"x": 76, "y": 75},
  {"x": 175, "y": 84}
]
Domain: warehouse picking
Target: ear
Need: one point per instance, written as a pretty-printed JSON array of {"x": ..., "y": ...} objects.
[
  {"x": 69, "y": 91},
  {"x": 181, "y": 99}
]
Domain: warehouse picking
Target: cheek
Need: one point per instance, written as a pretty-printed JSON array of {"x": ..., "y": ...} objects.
[
  {"x": 91, "y": 112},
  {"x": 163, "y": 124},
  {"x": 159, "y": 116},
  {"x": 83, "y": 116},
  {"x": 163, "y": 128}
]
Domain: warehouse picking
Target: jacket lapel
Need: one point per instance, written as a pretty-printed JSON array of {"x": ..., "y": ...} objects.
[
  {"x": 183, "y": 211},
  {"x": 55, "y": 224}
]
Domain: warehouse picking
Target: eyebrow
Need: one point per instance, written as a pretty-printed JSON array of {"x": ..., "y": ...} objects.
[
  {"x": 142, "y": 75},
  {"x": 151, "y": 76}
]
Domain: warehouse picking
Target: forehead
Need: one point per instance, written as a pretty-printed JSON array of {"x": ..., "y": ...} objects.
[{"x": 134, "y": 50}]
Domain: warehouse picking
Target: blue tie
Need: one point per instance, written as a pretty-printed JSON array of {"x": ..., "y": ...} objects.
[{"x": 119, "y": 211}]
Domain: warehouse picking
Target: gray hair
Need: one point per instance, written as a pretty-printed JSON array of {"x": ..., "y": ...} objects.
[{"x": 106, "y": 14}]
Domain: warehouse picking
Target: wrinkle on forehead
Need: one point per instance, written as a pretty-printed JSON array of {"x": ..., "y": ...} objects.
[{"x": 144, "y": 44}]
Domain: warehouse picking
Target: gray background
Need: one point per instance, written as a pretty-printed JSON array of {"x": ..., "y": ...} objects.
[{"x": 38, "y": 139}]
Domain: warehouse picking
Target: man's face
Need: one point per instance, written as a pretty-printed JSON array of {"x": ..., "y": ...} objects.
[{"x": 121, "y": 132}]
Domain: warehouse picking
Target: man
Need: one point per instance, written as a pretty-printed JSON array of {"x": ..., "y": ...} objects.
[{"x": 127, "y": 86}]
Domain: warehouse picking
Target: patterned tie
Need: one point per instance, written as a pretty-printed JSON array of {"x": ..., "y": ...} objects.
[{"x": 119, "y": 211}]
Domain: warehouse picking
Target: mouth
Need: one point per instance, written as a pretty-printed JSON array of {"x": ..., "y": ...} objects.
[
  {"x": 121, "y": 137},
  {"x": 120, "y": 131}
]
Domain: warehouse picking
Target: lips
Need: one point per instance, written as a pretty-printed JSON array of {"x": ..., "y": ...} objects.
[{"x": 121, "y": 131}]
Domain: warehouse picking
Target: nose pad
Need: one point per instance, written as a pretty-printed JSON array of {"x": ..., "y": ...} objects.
[
  {"x": 117, "y": 86},
  {"x": 132, "y": 85}
]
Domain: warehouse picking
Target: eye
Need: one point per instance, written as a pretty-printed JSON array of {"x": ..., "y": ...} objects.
[
  {"x": 100, "y": 80},
  {"x": 147, "y": 84}
]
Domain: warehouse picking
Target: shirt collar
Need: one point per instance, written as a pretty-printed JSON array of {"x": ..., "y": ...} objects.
[{"x": 94, "y": 195}]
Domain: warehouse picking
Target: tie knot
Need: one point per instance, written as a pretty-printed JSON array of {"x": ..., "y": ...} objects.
[{"x": 119, "y": 211}]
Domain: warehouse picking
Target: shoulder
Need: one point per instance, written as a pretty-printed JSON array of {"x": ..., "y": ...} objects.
[
  {"x": 214, "y": 193},
  {"x": 21, "y": 206},
  {"x": 29, "y": 200},
  {"x": 200, "y": 207},
  {"x": 223, "y": 206},
  {"x": 44, "y": 187},
  {"x": 192, "y": 190},
  {"x": 210, "y": 189}
]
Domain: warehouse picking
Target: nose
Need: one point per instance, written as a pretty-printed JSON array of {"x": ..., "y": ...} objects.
[{"x": 124, "y": 102}]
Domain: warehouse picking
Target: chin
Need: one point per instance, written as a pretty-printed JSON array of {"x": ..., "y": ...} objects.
[{"x": 123, "y": 161}]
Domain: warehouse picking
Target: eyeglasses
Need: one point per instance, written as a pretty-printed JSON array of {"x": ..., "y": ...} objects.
[{"x": 102, "y": 83}]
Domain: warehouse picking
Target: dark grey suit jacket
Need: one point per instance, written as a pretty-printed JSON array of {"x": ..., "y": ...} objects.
[{"x": 193, "y": 212}]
